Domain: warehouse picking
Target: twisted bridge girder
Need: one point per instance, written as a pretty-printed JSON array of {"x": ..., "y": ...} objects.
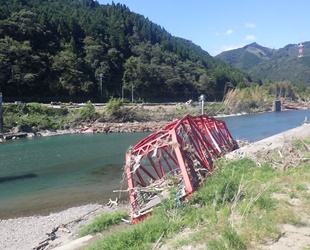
[{"x": 184, "y": 150}]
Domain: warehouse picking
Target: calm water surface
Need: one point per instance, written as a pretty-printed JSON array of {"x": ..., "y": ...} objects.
[
  {"x": 256, "y": 127},
  {"x": 48, "y": 173},
  {"x": 57, "y": 171}
]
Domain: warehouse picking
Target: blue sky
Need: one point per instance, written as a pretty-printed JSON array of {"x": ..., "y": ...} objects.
[{"x": 221, "y": 25}]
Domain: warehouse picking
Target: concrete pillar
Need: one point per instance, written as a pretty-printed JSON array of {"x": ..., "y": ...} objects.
[{"x": 276, "y": 106}]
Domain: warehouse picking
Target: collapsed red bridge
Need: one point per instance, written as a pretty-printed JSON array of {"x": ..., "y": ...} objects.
[{"x": 184, "y": 151}]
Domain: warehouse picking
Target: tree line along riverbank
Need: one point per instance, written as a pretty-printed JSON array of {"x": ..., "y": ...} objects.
[{"x": 37, "y": 119}]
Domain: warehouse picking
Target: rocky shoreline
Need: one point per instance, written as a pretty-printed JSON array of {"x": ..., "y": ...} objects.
[
  {"x": 128, "y": 127},
  {"x": 29, "y": 232},
  {"x": 95, "y": 127}
]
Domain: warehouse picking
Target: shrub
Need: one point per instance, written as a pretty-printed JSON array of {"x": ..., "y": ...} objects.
[
  {"x": 114, "y": 106},
  {"x": 85, "y": 114},
  {"x": 32, "y": 115}
]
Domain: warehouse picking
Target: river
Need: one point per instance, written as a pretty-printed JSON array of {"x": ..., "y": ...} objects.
[{"x": 45, "y": 174}]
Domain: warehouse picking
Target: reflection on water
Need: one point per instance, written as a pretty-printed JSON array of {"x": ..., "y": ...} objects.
[{"x": 17, "y": 177}]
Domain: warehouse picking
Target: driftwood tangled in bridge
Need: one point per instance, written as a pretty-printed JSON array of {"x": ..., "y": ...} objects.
[{"x": 180, "y": 156}]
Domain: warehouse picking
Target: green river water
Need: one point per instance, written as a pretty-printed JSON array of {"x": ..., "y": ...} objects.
[{"x": 46, "y": 174}]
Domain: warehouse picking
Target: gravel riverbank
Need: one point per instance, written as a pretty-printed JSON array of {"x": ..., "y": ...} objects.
[{"x": 28, "y": 232}]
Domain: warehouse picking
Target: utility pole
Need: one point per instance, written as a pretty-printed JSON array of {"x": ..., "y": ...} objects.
[
  {"x": 132, "y": 93},
  {"x": 1, "y": 117},
  {"x": 101, "y": 90}
]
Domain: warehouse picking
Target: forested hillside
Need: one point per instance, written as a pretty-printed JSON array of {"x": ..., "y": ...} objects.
[
  {"x": 62, "y": 50},
  {"x": 272, "y": 64}
]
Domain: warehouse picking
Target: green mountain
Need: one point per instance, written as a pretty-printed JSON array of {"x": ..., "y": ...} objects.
[
  {"x": 272, "y": 64},
  {"x": 79, "y": 50}
]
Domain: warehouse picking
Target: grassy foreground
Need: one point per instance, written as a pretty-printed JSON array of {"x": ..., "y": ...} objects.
[{"x": 240, "y": 207}]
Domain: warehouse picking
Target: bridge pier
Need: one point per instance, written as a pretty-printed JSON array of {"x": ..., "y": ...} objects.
[{"x": 276, "y": 106}]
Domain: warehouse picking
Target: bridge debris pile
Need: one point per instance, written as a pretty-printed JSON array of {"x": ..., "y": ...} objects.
[{"x": 180, "y": 156}]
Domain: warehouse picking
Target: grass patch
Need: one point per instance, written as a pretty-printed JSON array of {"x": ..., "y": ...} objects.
[
  {"x": 103, "y": 222},
  {"x": 234, "y": 209},
  {"x": 140, "y": 236}
]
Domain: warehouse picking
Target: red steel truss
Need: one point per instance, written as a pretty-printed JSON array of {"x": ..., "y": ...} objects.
[{"x": 185, "y": 150}]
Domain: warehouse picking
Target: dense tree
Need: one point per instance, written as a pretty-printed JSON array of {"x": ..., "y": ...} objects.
[{"x": 65, "y": 49}]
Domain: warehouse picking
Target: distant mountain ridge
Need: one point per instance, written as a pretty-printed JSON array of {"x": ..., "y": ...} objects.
[{"x": 271, "y": 64}]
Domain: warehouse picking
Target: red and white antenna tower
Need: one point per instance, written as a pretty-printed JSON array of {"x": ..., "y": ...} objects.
[{"x": 300, "y": 48}]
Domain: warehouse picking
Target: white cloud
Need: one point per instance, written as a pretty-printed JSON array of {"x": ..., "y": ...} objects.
[
  {"x": 250, "y": 38},
  {"x": 229, "y": 32},
  {"x": 250, "y": 25},
  {"x": 222, "y": 48},
  {"x": 232, "y": 46}
]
